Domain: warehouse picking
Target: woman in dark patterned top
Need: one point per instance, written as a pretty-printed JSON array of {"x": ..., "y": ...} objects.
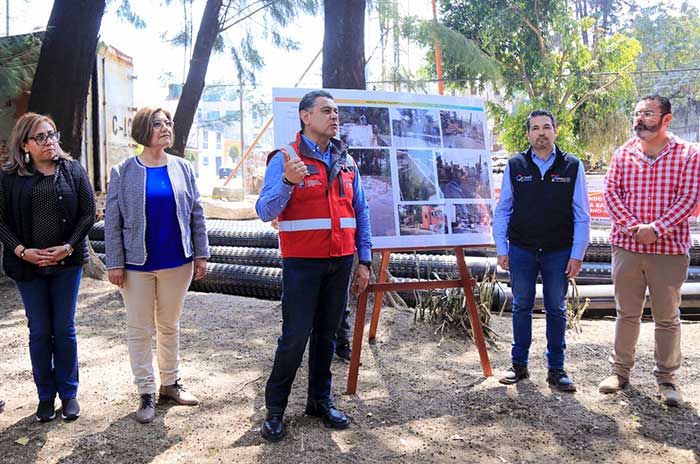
[{"x": 47, "y": 208}]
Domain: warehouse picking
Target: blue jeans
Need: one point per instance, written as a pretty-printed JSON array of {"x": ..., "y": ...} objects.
[
  {"x": 525, "y": 265},
  {"x": 314, "y": 296},
  {"x": 49, "y": 302}
]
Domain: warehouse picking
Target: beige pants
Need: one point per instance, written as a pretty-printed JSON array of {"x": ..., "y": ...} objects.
[
  {"x": 632, "y": 274},
  {"x": 154, "y": 300}
]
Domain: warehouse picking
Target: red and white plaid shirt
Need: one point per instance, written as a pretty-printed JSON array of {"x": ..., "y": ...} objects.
[{"x": 662, "y": 191}]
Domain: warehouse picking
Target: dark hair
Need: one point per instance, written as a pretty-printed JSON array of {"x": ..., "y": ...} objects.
[
  {"x": 309, "y": 100},
  {"x": 142, "y": 126},
  {"x": 23, "y": 128},
  {"x": 540, "y": 113},
  {"x": 664, "y": 102}
]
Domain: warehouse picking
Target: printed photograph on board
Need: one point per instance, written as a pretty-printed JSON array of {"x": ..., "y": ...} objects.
[
  {"x": 364, "y": 126},
  {"x": 415, "y": 127},
  {"x": 417, "y": 175},
  {"x": 471, "y": 218},
  {"x": 463, "y": 129},
  {"x": 375, "y": 170},
  {"x": 463, "y": 175},
  {"x": 422, "y": 220}
]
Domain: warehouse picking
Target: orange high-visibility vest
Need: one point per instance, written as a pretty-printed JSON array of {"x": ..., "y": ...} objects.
[{"x": 319, "y": 220}]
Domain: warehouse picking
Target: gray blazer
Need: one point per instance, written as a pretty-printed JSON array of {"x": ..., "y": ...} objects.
[{"x": 125, "y": 212}]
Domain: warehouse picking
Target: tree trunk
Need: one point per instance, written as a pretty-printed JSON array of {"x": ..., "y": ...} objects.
[
  {"x": 344, "y": 45},
  {"x": 66, "y": 61},
  {"x": 344, "y": 68},
  {"x": 194, "y": 86}
]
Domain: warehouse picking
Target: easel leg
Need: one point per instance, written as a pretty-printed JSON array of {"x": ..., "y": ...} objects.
[
  {"x": 474, "y": 319},
  {"x": 381, "y": 278},
  {"x": 357, "y": 342}
]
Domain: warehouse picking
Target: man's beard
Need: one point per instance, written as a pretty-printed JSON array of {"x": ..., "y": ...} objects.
[
  {"x": 646, "y": 130},
  {"x": 542, "y": 142}
]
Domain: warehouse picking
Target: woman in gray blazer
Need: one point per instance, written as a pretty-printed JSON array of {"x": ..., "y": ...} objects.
[{"x": 155, "y": 239}]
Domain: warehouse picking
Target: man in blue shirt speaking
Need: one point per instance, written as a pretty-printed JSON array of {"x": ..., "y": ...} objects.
[
  {"x": 312, "y": 186},
  {"x": 541, "y": 226}
]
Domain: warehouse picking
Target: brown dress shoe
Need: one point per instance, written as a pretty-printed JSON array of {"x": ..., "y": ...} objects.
[
  {"x": 177, "y": 393},
  {"x": 147, "y": 409}
]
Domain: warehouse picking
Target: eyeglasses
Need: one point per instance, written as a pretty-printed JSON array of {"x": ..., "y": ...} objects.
[
  {"x": 158, "y": 123},
  {"x": 41, "y": 138},
  {"x": 645, "y": 114}
]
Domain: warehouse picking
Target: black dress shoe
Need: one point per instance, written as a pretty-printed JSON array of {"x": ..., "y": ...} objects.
[
  {"x": 343, "y": 351},
  {"x": 70, "y": 409},
  {"x": 513, "y": 374},
  {"x": 46, "y": 411},
  {"x": 332, "y": 417},
  {"x": 273, "y": 428},
  {"x": 558, "y": 379}
]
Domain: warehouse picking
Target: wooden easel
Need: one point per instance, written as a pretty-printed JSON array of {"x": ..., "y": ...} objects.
[{"x": 465, "y": 281}]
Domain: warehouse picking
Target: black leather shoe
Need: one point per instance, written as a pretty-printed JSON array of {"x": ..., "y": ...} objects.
[
  {"x": 558, "y": 379},
  {"x": 70, "y": 409},
  {"x": 343, "y": 351},
  {"x": 273, "y": 428},
  {"x": 326, "y": 410},
  {"x": 514, "y": 374},
  {"x": 46, "y": 411}
]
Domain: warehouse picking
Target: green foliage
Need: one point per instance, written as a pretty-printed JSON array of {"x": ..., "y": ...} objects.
[
  {"x": 512, "y": 128},
  {"x": 669, "y": 40},
  {"x": 125, "y": 13},
  {"x": 234, "y": 152},
  {"x": 543, "y": 59},
  {"x": 458, "y": 53},
  {"x": 18, "y": 59},
  {"x": 192, "y": 156}
]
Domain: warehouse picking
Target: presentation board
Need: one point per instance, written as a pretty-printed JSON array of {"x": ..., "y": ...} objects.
[{"x": 423, "y": 159}]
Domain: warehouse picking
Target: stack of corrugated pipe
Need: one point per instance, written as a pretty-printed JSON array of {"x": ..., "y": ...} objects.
[{"x": 245, "y": 260}]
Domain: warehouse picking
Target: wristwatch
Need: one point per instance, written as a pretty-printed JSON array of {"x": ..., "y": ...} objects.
[
  {"x": 366, "y": 263},
  {"x": 69, "y": 248}
]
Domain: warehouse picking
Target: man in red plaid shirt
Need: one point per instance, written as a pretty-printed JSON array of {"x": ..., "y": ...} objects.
[{"x": 651, "y": 188}]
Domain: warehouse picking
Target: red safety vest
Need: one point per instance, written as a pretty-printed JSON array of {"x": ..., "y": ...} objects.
[{"x": 318, "y": 221}]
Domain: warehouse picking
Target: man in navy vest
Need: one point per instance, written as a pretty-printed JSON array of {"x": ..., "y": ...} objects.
[{"x": 541, "y": 226}]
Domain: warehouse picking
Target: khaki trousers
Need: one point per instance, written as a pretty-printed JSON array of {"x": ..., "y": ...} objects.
[
  {"x": 663, "y": 275},
  {"x": 154, "y": 300}
]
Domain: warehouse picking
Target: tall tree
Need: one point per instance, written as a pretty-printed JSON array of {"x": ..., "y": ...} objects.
[
  {"x": 670, "y": 60},
  {"x": 220, "y": 16},
  {"x": 544, "y": 62},
  {"x": 66, "y": 61},
  {"x": 196, "y": 76},
  {"x": 344, "y": 44}
]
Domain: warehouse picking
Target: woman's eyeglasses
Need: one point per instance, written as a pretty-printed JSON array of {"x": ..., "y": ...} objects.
[
  {"x": 158, "y": 123},
  {"x": 41, "y": 138}
]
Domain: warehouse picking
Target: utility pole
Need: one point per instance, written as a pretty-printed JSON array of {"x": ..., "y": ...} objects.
[{"x": 240, "y": 108}]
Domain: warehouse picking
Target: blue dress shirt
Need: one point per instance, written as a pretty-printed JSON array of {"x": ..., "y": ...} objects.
[
  {"x": 275, "y": 194},
  {"x": 582, "y": 216}
]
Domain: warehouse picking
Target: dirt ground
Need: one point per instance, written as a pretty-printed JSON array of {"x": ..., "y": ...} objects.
[{"x": 418, "y": 401}]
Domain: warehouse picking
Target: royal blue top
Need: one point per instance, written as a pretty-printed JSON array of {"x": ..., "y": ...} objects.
[{"x": 163, "y": 241}]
